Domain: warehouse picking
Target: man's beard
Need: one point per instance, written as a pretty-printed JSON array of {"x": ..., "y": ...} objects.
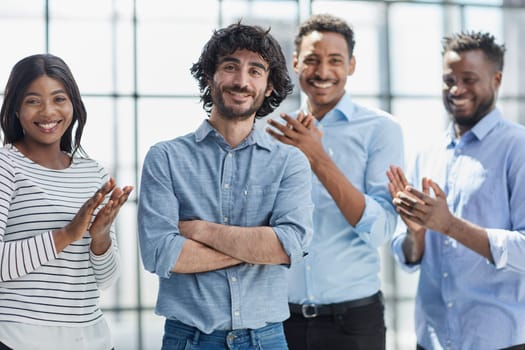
[
  {"x": 469, "y": 121},
  {"x": 232, "y": 113}
]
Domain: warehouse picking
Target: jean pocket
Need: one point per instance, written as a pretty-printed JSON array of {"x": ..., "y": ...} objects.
[{"x": 176, "y": 343}]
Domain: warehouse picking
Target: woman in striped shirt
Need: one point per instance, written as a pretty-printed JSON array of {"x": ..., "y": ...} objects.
[{"x": 57, "y": 206}]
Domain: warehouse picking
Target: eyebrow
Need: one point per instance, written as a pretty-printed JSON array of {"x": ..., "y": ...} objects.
[
  {"x": 56, "y": 92},
  {"x": 236, "y": 60}
]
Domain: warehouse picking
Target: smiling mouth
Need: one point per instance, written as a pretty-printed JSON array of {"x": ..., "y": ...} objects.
[
  {"x": 238, "y": 94},
  {"x": 322, "y": 84},
  {"x": 48, "y": 126},
  {"x": 459, "y": 103}
]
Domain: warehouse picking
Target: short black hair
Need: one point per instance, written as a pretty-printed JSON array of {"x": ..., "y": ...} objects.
[
  {"x": 326, "y": 23},
  {"x": 239, "y": 36},
  {"x": 470, "y": 40}
]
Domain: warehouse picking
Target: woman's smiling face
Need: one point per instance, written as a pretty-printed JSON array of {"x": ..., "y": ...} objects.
[{"x": 45, "y": 113}]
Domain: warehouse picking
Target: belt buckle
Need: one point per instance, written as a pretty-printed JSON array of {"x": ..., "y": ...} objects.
[{"x": 309, "y": 310}]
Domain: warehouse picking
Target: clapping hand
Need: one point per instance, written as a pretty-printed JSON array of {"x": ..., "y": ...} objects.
[{"x": 99, "y": 228}]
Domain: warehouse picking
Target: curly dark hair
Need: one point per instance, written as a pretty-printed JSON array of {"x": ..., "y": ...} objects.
[
  {"x": 469, "y": 40},
  {"x": 235, "y": 37},
  {"x": 325, "y": 23},
  {"x": 22, "y": 75}
]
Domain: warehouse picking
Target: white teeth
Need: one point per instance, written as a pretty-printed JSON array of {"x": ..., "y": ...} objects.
[
  {"x": 47, "y": 126},
  {"x": 239, "y": 94},
  {"x": 460, "y": 103},
  {"x": 322, "y": 85}
]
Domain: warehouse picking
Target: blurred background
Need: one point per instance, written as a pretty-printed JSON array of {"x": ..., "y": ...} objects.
[{"x": 131, "y": 59}]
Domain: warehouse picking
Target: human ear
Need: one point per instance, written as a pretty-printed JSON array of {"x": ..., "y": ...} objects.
[{"x": 351, "y": 66}]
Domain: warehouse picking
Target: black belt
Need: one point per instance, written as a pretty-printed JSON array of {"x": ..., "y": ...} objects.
[{"x": 312, "y": 310}]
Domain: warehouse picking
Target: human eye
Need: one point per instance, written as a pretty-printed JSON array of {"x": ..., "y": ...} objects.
[
  {"x": 256, "y": 72},
  {"x": 31, "y": 101},
  {"x": 311, "y": 61},
  {"x": 228, "y": 67},
  {"x": 61, "y": 98},
  {"x": 336, "y": 61},
  {"x": 449, "y": 81},
  {"x": 470, "y": 80}
]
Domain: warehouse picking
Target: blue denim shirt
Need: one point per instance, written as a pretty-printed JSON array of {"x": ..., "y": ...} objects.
[
  {"x": 343, "y": 261},
  {"x": 463, "y": 301},
  {"x": 199, "y": 176}
]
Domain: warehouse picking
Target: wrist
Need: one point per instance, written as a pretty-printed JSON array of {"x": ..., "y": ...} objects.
[
  {"x": 61, "y": 238},
  {"x": 100, "y": 244},
  {"x": 452, "y": 226}
]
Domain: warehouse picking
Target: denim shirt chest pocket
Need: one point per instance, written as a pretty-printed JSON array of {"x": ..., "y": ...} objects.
[{"x": 258, "y": 203}]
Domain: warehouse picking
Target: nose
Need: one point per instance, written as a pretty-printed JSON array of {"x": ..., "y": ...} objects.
[
  {"x": 322, "y": 70},
  {"x": 48, "y": 108},
  {"x": 457, "y": 89},
  {"x": 241, "y": 78}
]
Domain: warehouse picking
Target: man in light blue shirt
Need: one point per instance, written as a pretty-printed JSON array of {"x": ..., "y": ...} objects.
[
  {"x": 465, "y": 228},
  {"x": 335, "y": 296},
  {"x": 225, "y": 211}
]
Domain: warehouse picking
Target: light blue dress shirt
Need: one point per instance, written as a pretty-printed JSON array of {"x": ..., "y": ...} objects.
[
  {"x": 199, "y": 176},
  {"x": 463, "y": 301},
  {"x": 343, "y": 261}
]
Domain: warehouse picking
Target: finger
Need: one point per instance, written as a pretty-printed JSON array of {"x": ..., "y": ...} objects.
[
  {"x": 426, "y": 185},
  {"x": 424, "y": 198},
  {"x": 306, "y": 119},
  {"x": 395, "y": 179},
  {"x": 393, "y": 185},
  {"x": 279, "y": 137},
  {"x": 407, "y": 199},
  {"x": 437, "y": 190},
  {"x": 283, "y": 128},
  {"x": 405, "y": 204},
  {"x": 122, "y": 199},
  {"x": 308, "y": 122},
  {"x": 108, "y": 186},
  {"x": 89, "y": 206},
  {"x": 410, "y": 217},
  {"x": 406, "y": 214},
  {"x": 293, "y": 123},
  {"x": 101, "y": 193},
  {"x": 117, "y": 192},
  {"x": 400, "y": 176},
  {"x": 301, "y": 117},
  {"x": 392, "y": 189}
]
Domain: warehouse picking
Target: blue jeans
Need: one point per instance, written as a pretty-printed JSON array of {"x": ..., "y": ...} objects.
[{"x": 178, "y": 336}]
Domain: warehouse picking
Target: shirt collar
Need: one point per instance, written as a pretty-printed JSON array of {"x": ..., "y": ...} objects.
[
  {"x": 256, "y": 136},
  {"x": 342, "y": 110},
  {"x": 478, "y": 131}
]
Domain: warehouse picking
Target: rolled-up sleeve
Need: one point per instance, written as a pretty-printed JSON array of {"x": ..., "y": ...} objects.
[
  {"x": 508, "y": 249},
  {"x": 378, "y": 222},
  {"x": 293, "y": 210},
  {"x": 158, "y": 215},
  {"x": 396, "y": 248},
  {"x": 508, "y": 245}
]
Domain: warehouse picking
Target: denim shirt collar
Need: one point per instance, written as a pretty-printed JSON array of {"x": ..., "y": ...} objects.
[{"x": 255, "y": 137}]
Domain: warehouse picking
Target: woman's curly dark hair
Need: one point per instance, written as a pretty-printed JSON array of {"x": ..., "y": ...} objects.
[{"x": 235, "y": 37}]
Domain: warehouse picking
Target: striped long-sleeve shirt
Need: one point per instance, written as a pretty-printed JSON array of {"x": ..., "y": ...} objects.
[{"x": 38, "y": 285}]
